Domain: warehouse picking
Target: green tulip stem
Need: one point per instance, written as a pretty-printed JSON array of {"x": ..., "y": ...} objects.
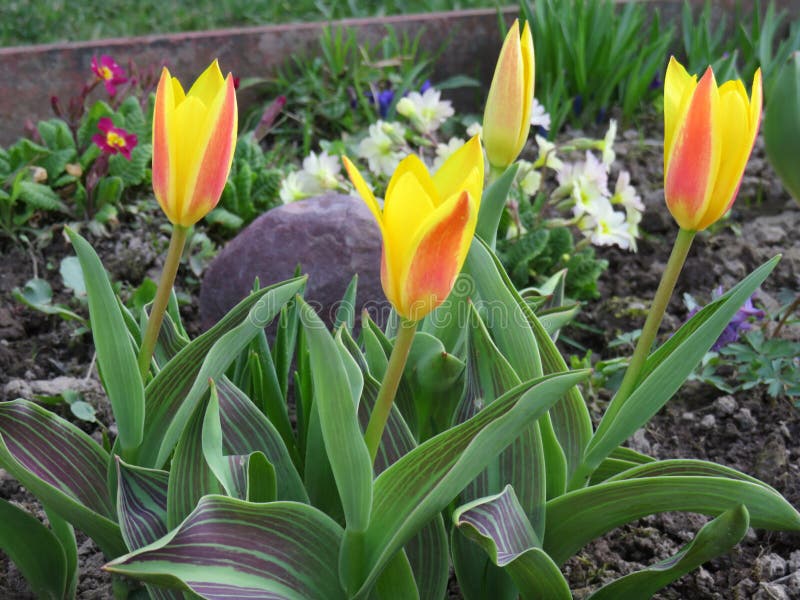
[
  {"x": 176, "y": 244},
  {"x": 494, "y": 174},
  {"x": 391, "y": 380},
  {"x": 674, "y": 265}
]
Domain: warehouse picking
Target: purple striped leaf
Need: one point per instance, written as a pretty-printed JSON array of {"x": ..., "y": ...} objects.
[
  {"x": 190, "y": 477},
  {"x": 63, "y": 467},
  {"x": 419, "y": 485},
  {"x": 578, "y": 517},
  {"x": 141, "y": 504},
  {"x": 714, "y": 539},
  {"x": 499, "y": 525},
  {"x": 246, "y": 430},
  {"x": 227, "y": 548},
  {"x": 177, "y": 388}
]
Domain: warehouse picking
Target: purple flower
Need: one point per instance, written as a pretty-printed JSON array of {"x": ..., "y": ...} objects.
[
  {"x": 742, "y": 321},
  {"x": 109, "y": 72},
  {"x": 113, "y": 140}
]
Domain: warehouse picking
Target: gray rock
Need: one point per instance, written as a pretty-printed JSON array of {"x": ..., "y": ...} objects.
[
  {"x": 794, "y": 561},
  {"x": 792, "y": 583},
  {"x": 771, "y": 591},
  {"x": 771, "y": 566},
  {"x": 726, "y": 405},
  {"x": 639, "y": 442},
  {"x": 331, "y": 237},
  {"x": 708, "y": 422},
  {"x": 745, "y": 419}
]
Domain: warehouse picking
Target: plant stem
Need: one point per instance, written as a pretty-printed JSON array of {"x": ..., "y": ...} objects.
[
  {"x": 494, "y": 174},
  {"x": 176, "y": 244},
  {"x": 676, "y": 259},
  {"x": 391, "y": 380}
]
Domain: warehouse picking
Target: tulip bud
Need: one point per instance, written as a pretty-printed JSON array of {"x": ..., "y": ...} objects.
[
  {"x": 709, "y": 132},
  {"x": 507, "y": 117},
  {"x": 782, "y": 125},
  {"x": 194, "y": 136}
]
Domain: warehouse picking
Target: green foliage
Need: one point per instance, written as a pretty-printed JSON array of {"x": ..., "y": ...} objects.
[
  {"x": 332, "y": 92},
  {"x": 252, "y": 186},
  {"x": 592, "y": 56}
]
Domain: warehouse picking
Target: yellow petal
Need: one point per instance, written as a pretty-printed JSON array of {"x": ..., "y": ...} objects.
[
  {"x": 185, "y": 133},
  {"x": 678, "y": 89},
  {"x": 163, "y": 169},
  {"x": 462, "y": 170},
  {"x": 412, "y": 164},
  {"x": 207, "y": 86},
  {"x": 363, "y": 190},
  {"x": 528, "y": 71}
]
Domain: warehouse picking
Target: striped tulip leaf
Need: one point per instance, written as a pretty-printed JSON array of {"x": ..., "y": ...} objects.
[
  {"x": 493, "y": 205},
  {"x": 228, "y": 548},
  {"x": 63, "y": 467},
  {"x": 419, "y": 485},
  {"x": 141, "y": 504},
  {"x": 165, "y": 395},
  {"x": 620, "y": 460},
  {"x": 576, "y": 518},
  {"x": 714, "y": 539},
  {"x": 427, "y": 551},
  {"x": 246, "y": 430},
  {"x": 36, "y": 552},
  {"x": 334, "y": 404},
  {"x": 170, "y": 341},
  {"x": 190, "y": 477},
  {"x": 346, "y": 311},
  {"x": 224, "y": 350},
  {"x": 507, "y": 318},
  {"x": 666, "y": 370},
  {"x": 686, "y": 468},
  {"x": 116, "y": 357},
  {"x": 65, "y": 534},
  {"x": 500, "y": 526}
]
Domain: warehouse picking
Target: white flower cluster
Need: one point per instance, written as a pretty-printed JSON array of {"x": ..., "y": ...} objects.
[{"x": 320, "y": 173}]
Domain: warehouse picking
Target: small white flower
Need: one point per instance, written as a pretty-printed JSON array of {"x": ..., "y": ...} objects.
[
  {"x": 625, "y": 194},
  {"x": 320, "y": 172},
  {"x": 547, "y": 155},
  {"x": 380, "y": 147},
  {"x": 529, "y": 178},
  {"x": 589, "y": 198},
  {"x": 445, "y": 151},
  {"x": 589, "y": 174},
  {"x": 606, "y": 146},
  {"x": 475, "y": 129},
  {"x": 539, "y": 116},
  {"x": 608, "y": 228},
  {"x": 426, "y": 111},
  {"x": 293, "y": 188}
]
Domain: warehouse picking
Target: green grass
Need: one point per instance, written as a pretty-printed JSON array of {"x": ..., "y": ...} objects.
[{"x": 45, "y": 21}]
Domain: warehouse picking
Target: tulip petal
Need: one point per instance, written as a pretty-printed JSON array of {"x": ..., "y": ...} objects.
[
  {"x": 528, "y": 72},
  {"x": 363, "y": 190},
  {"x": 678, "y": 89},
  {"x": 413, "y": 165},
  {"x": 404, "y": 210},
  {"x": 463, "y": 170},
  {"x": 695, "y": 158},
  {"x": 437, "y": 254},
  {"x": 184, "y": 148},
  {"x": 163, "y": 162},
  {"x": 206, "y": 87},
  {"x": 216, "y": 141}
]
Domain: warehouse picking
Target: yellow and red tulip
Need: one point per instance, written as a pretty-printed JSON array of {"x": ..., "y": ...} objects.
[
  {"x": 507, "y": 117},
  {"x": 427, "y": 224},
  {"x": 194, "y": 136},
  {"x": 709, "y": 132}
]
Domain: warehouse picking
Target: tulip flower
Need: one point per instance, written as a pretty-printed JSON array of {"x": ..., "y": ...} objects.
[
  {"x": 709, "y": 133},
  {"x": 427, "y": 224},
  {"x": 507, "y": 117},
  {"x": 194, "y": 136}
]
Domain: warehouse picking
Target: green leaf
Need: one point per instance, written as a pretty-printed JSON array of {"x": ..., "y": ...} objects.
[
  {"x": 500, "y": 526},
  {"x": 177, "y": 388},
  {"x": 108, "y": 191},
  {"x": 346, "y": 311},
  {"x": 141, "y": 504},
  {"x": 229, "y": 548},
  {"x": 63, "y": 467},
  {"x": 417, "y": 487},
  {"x": 667, "y": 368},
  {"x": 336, "y": 406},
  {"x": 714, "y": 539},
  {"x": 38, "y": 295},
  {"x": 578, "y": 517},
  {"x": 116, "y": 358},
  {"x": 40, "y": 196},
  {"x": 132, "y": 172},
  {"x": 66, "y": 536},
  {"x": 35, "y": 551},
  {"x": 224, "y": 218},
  {"x": 72, "y": 275},
  {"x": 493, "y": 203}
]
